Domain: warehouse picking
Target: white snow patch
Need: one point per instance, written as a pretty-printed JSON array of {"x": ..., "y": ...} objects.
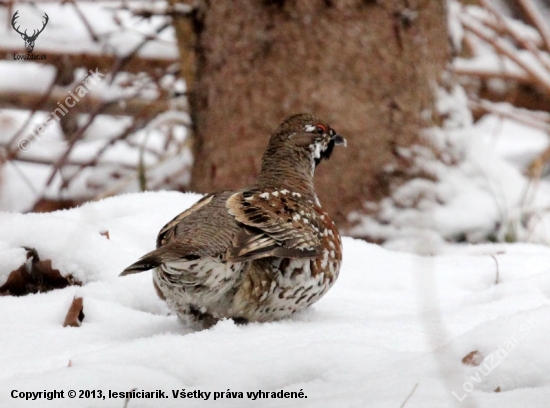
[
  {"x": 478, "y": 194},
  {"x": 391, "y": 321}
]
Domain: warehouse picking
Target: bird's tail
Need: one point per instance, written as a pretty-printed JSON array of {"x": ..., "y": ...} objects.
[
  {"x": 149, "y": 261},
  {"x": 166, "y": 253}
]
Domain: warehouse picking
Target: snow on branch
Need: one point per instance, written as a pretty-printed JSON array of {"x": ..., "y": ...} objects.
[
  {"x": 517, "y": 48},
  {"x": 532, "y": 11},
  {"x": 66, "y": 141}
]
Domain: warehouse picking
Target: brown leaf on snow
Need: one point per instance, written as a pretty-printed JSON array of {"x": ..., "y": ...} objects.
[
  {"x": 75, "y": 315},
  {"x": 34, "y": 276},
  {"x": 497, "y": 389},
  {"x": 105, "y": 234},
  {"x": 473, "y": 358}
]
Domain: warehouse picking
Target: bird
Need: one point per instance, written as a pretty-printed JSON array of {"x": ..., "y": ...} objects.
[{"x": 258, "y": 254}]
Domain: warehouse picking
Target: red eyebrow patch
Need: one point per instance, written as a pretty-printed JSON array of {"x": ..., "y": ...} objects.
[{"x": 322, "y": 127}]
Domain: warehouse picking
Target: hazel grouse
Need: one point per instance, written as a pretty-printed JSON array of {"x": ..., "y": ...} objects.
[{"x": 257, "y": 254}]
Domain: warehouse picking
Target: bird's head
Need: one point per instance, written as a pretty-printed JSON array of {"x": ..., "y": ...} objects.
[
  {"x": 295, "y": 149},
  {"x": 305, "y": 137}
]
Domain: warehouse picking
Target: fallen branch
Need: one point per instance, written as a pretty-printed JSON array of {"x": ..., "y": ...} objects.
[
  {"x": 503, "y": 48},
  {"x": 488, "y": 73},
  {"x": 535, "y": 15},
  {"x": 525, "y": 43},
  {"x": 539, "y": 120},
  {"x": 158, "y": 9},
  {"x": 132, "y": 106},
  {"x": 104, "y": 62}
]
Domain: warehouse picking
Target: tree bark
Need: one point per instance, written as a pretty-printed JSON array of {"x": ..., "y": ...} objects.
[{"x": 367, "y": 67}]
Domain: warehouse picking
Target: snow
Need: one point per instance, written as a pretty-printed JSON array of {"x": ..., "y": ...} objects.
[
  {"x": 471, "y": 186},
  {"x": 37, "y": 76},
  {"x": 517, "y": 143},
  {"x": 391, "y": 321}
]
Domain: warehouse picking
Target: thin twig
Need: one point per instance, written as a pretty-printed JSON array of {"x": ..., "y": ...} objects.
[
  {"x": 528, "y": 45},
  {"x": 505, "y": 49},
  {"x": 75, "y": 137},
  {"x": 532, "y": 11},
  {"x": 27, "y": 181},
  {"x": 129, "y": 130},
  {"x": 4, "y": 3},
  {"x": 512, "y": 24},
  {"x": 488, "y": 73},
  {"x": 128, "y": 398},
  {"x": 517, "y": 114},
  {"x": 117, "y": 188},
  {"x": 85, "y": 21},
  {"x": 35, "y": 108},
  {"x": 179, "y": 10},
  {"x": 142, "y": 118},
  {"x": 409, "y": 396},
  {"x": 498, "y": 270},
  {"x": 121, "y": 61},
  {"x": 88, "y": 57},
  {"x": 76, "y": 163}
]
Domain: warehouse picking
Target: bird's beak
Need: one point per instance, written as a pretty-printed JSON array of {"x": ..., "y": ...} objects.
[{"x": 338, "y": 140}]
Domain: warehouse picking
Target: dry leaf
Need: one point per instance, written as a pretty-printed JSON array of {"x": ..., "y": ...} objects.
[
  {"x": 473, "y": 358},
  {"x": 105, "y": 234},
  {"x": 497, "y": 389},
  {"x": 46, "y": 205},
  {"x": 35, "y": 276},
  {"x": 75, "y": 315}
]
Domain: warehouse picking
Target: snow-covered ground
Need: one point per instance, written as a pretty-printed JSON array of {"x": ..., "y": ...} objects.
[{"x": 394, "y": 322}]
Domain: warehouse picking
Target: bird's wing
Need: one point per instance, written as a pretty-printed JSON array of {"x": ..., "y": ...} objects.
[
  {"x": 168, "y": 233},
  {"x": 272, "y": 225},
  {"x": 205, "y": 229}
]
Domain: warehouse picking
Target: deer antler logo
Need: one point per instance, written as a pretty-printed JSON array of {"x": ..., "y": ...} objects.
[{"x": 29, "y": 39}]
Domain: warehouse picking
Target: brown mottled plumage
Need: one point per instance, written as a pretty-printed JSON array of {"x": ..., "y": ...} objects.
[{"x": 256, "y": 254}]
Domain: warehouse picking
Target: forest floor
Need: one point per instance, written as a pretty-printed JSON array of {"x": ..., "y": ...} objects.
[{"x": 453, "y": 327}]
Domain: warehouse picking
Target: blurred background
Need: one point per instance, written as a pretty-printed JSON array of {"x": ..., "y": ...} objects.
[{"x": 444, "y": 105}]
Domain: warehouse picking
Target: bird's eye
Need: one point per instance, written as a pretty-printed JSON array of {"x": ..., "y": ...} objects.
[{"x": 320, "y": 129}]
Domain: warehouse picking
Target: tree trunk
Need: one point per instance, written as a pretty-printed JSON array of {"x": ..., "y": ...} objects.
[{"x": 367, "y": 67}]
